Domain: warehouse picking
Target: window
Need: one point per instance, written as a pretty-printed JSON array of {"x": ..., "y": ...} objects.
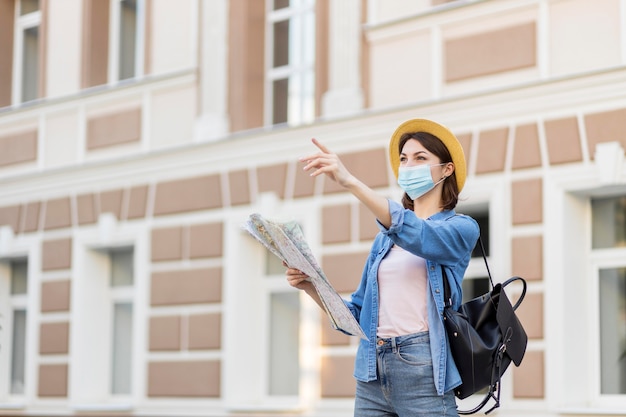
[
  {"x": 284, "y": 332},
  {"x": 113, "y": 47},
  {"x": 476, "y": 280},
  {"x": 122, "y": 281},
  {"x": 103, "y": 327},
  {"x": 609, "y": 251},
  {"x": 26, "y": 62},
  {"x": 125, "y": 61},
  {"x": 290, "y": 57},
  {"x": 18, "y": 300}
]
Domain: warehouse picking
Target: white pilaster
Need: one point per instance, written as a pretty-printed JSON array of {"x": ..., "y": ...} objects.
[
  {"x": 344, "y": 95},
  {"x": 212, "y": 122}
]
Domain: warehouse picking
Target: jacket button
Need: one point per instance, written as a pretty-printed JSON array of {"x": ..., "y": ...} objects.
[{"x": 437, "y": 290}]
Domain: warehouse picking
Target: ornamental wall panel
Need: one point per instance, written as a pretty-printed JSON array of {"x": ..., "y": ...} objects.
[
  {"x": 527, "y": 257},
  {"x": 11, "y": 216},
  {"x": 167, "y": 244},
  {"x": 206, "y": 240},
  {"x": 563, "y": 140},
  {"x": 86, "y": 209},
  {"x": 138, "y": 201},
  {"x": 18, "y": 148},
  {"x": 531, "y": 315},
  {"x": 336, "y": 378},
  {"x": 113, "y": 129},
  {"x": 527, "y": 201},
  {"x": 491, "y": 52},
  {"x": 204, "y": 331},
  {"x": 52, "y": 381},
  {"x": 55, "y": 296},
  {"x": 7, "y": 17},
  {"x": 529, "y": 378},
  {"x": 344, "y": 270},
  {"x": 56, "y": 254},
  {"x": 336, "y": 224},
  {"x": 272, "y": 179},
  {"x": 187, "y": 195},
  {"x": 526, "y": 148},
  {"x": 329, "y": 336},
  {"x": 239, "y": 187},
  {"x": 492, "y": 147},
  {"x": 165, "y": 333},
  {"x": 607, "y": 126},
  {"x": 54, "y": 338},
  {"x": 31, "y": 220},
  {"x": 188, "y": 286},
  {"x": 111, "y": 202},
  {"x": 58, "y": 213},
  {"x": 186, "y": 379}
]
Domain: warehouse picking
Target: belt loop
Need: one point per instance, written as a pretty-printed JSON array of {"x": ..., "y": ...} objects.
[{"x": 394, "y": 346}]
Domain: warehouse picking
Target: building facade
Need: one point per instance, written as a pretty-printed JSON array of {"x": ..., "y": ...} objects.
[{"x": 137, "y": 136}]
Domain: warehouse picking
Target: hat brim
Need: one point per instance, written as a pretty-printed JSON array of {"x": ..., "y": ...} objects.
[{"x": 437, "y": 130}]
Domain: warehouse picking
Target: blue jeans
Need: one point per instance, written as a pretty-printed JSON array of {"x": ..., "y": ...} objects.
[{"x": 405, "y": 386}]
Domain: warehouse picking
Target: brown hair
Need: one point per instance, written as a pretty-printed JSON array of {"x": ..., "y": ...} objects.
[{"x": 450, "y": 192}]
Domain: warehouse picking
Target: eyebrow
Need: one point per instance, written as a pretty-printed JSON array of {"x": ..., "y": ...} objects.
[{"x": 414, "y": 153}]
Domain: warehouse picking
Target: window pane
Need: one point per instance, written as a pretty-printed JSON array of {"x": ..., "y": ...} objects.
[
  {"x": 19, "y": 276},
  {"x": 609, "y": 222},
  {"x": 483, "y": 222},
  {"x": 122, "y": 267},
  {"x": 122, "y": 348},
  {"x": 474, "y": 287},
  {"x": 128, "y": 34},
  {"x": 281, "y": 4},
  {"x": 30, "y": 64},
  {"x": 28, "y": 6},
  {"x": 613, "y": 330},
  {"x": 18, "y": 356},
  {"x": 281, "y": 101},
  {"x": 273, "y": 265},
  {"x": 281, "y": 43},
  {"x": 284, "y": 344}
]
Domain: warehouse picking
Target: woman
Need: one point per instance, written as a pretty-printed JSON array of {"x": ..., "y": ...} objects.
[{"x": 405, "y": 368}]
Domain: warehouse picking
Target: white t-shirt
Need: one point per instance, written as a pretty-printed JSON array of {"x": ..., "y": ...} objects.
[{"x": 402, "y": 286}]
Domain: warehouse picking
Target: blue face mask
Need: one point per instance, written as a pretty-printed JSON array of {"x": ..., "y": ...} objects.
[{"x": 417, "y": 180}]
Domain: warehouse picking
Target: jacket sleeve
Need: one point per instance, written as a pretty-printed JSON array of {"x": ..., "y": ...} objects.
[{"x": 447, "y": 239}]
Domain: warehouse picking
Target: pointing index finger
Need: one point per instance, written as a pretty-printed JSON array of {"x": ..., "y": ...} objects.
[{"x": 320, "y": 146}]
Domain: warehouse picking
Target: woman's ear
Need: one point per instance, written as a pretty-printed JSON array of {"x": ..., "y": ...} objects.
[{"x": 448, "y": 169}]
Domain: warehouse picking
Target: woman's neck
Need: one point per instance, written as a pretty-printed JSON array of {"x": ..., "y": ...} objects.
[{"x": 427, "y": 205}]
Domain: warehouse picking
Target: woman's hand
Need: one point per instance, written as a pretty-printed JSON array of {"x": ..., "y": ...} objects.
[
  {"x": 326, "y": 162},
  {"x": 298, "y": 279}
]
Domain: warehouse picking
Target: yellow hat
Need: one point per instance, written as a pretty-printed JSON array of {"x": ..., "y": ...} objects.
[{"x": 437, "y": 130}]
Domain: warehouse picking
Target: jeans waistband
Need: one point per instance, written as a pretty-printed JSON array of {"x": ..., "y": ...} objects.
[{"x": 394, "y": 342}]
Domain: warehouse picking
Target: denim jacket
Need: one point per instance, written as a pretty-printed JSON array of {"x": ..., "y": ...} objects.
[{"x": 444, "y": 239}]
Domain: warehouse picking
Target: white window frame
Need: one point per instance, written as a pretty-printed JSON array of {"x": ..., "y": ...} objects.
[
  {"x": 251, "y": 290},
  {"x": 571, "y": 330},
  {"x": 22, "y": 23},
  {"x": 28, "y": 248},
  {"x": 606, "y": 258},
  {"x": 91, "y": 337},
  {"x": 114, "y": 42},
  {"x": 298, "y": 68}
]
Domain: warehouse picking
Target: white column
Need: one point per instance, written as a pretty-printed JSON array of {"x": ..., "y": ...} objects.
[
  {"x": 345, "y": 95},
  {"x": 212, "y": 122}
]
